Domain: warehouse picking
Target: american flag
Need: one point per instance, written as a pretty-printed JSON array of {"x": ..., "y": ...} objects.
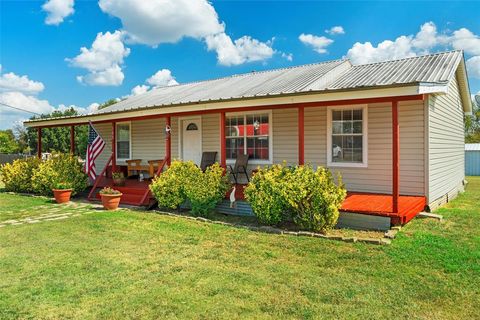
[{"x": 94, "y": 148}]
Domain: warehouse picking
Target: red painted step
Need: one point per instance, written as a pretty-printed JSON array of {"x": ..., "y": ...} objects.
[{"x": 131, "y": 196}]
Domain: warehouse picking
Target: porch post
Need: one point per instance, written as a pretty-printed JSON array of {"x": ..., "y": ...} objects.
[
  {"x": 223, "y": 147},
  {"x": 168, "y": 141},
  {"x": 301, "y": 135},
  {"x": 395, "y": 155},
  {"x": 114, "y": 146},
  {"x": 72, "y": 139},
  {"x": 39, "y": 142}
]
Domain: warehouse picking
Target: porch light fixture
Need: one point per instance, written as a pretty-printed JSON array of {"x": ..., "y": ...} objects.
[
  {"x": 167, "y": 131},
  {"x": 256, "y": 124}
]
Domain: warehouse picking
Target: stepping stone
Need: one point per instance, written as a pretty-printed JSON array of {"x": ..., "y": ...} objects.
[
  {"x": 58, "y": 218},
  {"x": 423, "y": 215},
  {"x": 33, "y": 221}
]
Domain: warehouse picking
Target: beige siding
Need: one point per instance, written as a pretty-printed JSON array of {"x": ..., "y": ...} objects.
[
  {"x": 211, "y": 133},
  {"x": 105, "y": 131},
  {"x": 148, "y": 139},
  {"x": 175, "y": 136},
  {"x": 446, "y": 145},
  {"x": 377, "y": 177},
  {"x": 285, "y": 136}
]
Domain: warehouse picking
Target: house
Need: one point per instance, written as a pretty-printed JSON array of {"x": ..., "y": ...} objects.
[
  {"x": 394, "y": 129},
  {"x": 472, "y": 159}
]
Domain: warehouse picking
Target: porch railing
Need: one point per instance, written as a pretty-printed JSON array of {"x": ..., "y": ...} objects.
[
  {"x": 159, "y": 170},
  {"x": 100, "y": 177}
]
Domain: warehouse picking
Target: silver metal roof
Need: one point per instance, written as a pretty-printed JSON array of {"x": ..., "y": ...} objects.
[
  {"x": 306, "y": 78},
  {"x": 472, "y": 146},
  {"x": 436, "y": 68}
]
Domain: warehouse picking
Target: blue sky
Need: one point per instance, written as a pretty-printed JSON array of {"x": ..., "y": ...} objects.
[{"x": 41, "y": 59}]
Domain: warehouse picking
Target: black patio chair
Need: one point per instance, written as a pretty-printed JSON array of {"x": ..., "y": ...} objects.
[
  {"x": 240, "y": 167},
  {"x": 208, "y": 158}
]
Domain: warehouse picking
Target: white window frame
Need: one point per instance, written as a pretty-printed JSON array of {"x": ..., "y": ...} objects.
[
  {"x": 363, "y": 164},
  {"x": 129, "y": 142},
  {"x": 270, "y": 136}
]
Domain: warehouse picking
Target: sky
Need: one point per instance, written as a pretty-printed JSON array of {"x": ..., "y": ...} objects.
[{"x": 60, "y": 53}]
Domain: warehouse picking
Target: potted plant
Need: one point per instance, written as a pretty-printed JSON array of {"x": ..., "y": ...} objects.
[
  {"x": 110, "y": 198},
  {"x": 118, "y": 179},
  {"x": 62, "y": 192}
]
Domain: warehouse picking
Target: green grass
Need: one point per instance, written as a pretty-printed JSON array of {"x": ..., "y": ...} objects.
[
  {"x": 130, "y": 264},
  {"x": 16, "y": 206}
]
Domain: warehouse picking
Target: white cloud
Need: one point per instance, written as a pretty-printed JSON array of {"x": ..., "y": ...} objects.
[
  {"x": 164, "y": 21},
  {"x": 427, "y": 40},
  {"x": 242, "y": 50},
  {"x": 139, "y": 89},
  {"x": 473, "y": 67},
  {"x": 464, "y": 39},
  {"x": 335, "y": 30},
  {"x": 155, "y": 22},
  {"x": 12, "y": 82},
  {"x": 318, "y": 43},
  {"x": 103, "y": 60},
  {"x": 57, "y": 11},
  {"x": 288, "y": 56},
  {"x": 162, "y": 78}
]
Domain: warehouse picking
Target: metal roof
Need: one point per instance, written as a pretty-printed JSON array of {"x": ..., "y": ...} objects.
[
  {"x": 304, "y": 78},
  {"x": 472, "y": 146},
  {"x": 435, "y": 68}
]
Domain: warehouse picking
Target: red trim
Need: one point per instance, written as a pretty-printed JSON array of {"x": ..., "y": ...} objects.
[
  {"x": 301, "y": 135},
  {"x": 395, "y": 156},
  {"x": 114, "y": 146},
  {"x": 223, "y": 143},
  {"x": 72, "y": 139},
  {"x": 39, "y": 142},
  {"x": 168, "y": 141},
  {"x": 267, "y": 107}
]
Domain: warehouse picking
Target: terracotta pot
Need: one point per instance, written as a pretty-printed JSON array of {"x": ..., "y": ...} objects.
[
  {"x": 62, "y": 195},
  {"x": 111, "y": 201}
]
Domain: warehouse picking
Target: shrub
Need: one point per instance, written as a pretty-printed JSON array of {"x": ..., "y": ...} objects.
[
  {"x": 264, "y": 193},
  {"x": 208, "y": 189},
  {"x": 63, "y": 186},
  {"x": 169, "y": 187},
  {"x": 61, "y": 167},
  {"x": 310, "y": 197},
  {"x": 110, "y": 191},
  {"x": 17, "y": 176}
]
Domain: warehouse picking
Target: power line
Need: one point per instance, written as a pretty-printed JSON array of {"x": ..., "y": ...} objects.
[{"x": 7, "y": 105}]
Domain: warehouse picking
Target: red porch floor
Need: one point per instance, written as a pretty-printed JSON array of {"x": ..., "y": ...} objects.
[{"x": 372, "y": 204}]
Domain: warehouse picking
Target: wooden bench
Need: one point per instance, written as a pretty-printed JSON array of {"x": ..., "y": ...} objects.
[{"x": 136, "y": 165}]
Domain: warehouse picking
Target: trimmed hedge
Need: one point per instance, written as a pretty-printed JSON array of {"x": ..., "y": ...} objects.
[
  {"x": 308, "y": 197},
  {"x": 184, "y": 181},
  {"x": 17, "y": 176},
  {"x": 61, "y": 167}
]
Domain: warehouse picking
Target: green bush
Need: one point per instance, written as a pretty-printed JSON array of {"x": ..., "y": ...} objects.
[
  {"x": 61, "y": 167},
  {"x": 208, "y": 189},
  {"x": 184, "y": 181},
  {"x": 309, "y": 197},
  {"x": 169, "y": 187},
  {"x": 17, "y": 176}
]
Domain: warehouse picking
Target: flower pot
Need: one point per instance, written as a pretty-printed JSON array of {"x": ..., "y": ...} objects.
[
  {"x": 119, "y": 182},
  {"x": 62, "y": 195},
  {"x": 111, "y": 201}
]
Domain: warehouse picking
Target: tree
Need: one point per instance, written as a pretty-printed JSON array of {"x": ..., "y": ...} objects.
[
  {"x": 472, "y": 125},
  {"x": 107, "y": 103},
  {"x": 58, "y": 139},
  {"x": 8, "y": 144}
]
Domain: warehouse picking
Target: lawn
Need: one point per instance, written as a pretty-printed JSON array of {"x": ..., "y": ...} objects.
[{"x": 131, "y": 264}]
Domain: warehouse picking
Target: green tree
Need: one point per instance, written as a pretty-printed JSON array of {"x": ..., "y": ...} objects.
[
  {"x": 8, "y": 143},
  {"x": 58, "y": 139},
  {"x": 107, "y": 103},
  {"x": 472, "y": 125}
]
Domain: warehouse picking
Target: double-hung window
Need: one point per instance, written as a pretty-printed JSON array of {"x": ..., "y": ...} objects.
[
  {"x": 347, "y": 136},
  {"x": 123, "y": 141},
  {"x": 249, "y": 133}
]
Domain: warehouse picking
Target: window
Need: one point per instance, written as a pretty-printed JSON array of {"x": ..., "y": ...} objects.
[
  {"x": 347, "y": 132},
  {"x": 248, "y": 134},
  {"x": 192, "y": 127},
  {"x": 123, "y": 141}
]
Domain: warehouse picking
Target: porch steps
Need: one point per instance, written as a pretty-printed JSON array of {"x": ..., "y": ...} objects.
[{"x": 131, "y": 196}]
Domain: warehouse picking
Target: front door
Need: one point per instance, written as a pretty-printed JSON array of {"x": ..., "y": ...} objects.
[{"x": 192, "y": 140}]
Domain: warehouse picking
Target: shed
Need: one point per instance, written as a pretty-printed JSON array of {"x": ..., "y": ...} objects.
[{"x": 472, "y": 159}]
